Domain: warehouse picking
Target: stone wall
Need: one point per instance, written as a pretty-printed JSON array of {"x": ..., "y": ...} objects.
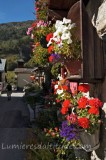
[{"x": 97, "y": 12}]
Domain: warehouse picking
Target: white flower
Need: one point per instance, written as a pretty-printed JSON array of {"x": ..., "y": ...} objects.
[
  {"x": 66, "y": 21},
  {"x": 32, "y": 36},
  {"x": 59, "y": 91},
  {"x": 62, "y": 95},
  {"x": 66, "y": 36},
  {"x": 60, "y": 44},
  {"x": 56, "y": 86},
  {"x": 58, "y": 32},
  {"x": 104, "y": 108},
  {"x": 86, "y": 94},
  {"x": 56, "y": 38},
  {"x": 69, "y": 41},
  {"x": 50, "y": 42},
  {"x": 70, "y": 26},
  {"x": 59, "y": 77},
  {"x": 58, "y": 24},
  {"x": 65, "y": 29},
  {"x": 62, "y": 32}
]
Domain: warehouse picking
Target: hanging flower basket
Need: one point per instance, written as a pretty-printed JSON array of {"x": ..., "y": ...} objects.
[{"x": 89, "y": 142}]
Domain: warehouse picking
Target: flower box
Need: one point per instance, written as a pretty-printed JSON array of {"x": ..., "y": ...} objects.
[{"x": 89, "y": 142}]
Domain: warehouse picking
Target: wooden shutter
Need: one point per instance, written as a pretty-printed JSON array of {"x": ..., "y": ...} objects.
[{"x": 91, "y": 44}]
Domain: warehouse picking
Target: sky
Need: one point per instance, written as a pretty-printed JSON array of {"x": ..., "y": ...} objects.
[{"x": 16, "y": 10}]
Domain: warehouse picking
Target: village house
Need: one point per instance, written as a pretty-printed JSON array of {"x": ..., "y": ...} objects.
[
  {"x": 2, "y": 73},
  {"x": 25, "y": 76}
]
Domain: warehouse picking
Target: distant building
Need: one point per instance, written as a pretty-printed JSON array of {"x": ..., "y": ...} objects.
[
  {"x": 2, "y": 73},
  {"x": 23, "y": 76},
  {"x": 26, "y": 76}
]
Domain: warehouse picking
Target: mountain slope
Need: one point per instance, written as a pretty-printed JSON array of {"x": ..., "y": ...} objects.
[{"x": 13, "y": 38}]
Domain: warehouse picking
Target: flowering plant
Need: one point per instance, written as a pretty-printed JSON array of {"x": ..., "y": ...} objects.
[
  {"x": 41, "y": 8},
  {"x": 63, "y": 41},
  {"x": 40, "y": 55},
  {"x": 80, "y": 109}
]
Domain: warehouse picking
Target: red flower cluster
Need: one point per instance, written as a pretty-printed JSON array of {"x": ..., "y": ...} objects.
[
  {"x": 95, "y": 102},
  {"x": 50, "y": 49},
  {"x": 50, "y": 35},
  {"x": 65, "y": 106},
  {"x": 83, "y": 122},
  {"x": 34, "y": 24},
  {"x": 51, "y": 58},
  {"x": 93, "y": 110},
  {"x": 65, "y": 88},
  {"x": 66, "y": 103},
  {"x": 82, "y": 102},
  {"x": 83, "y": 88}
]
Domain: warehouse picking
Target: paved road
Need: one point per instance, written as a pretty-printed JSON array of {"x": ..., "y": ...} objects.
[{"x": 14, "y": 122}]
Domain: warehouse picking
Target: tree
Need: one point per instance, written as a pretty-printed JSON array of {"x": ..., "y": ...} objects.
[{"x": 10, "y": 77}]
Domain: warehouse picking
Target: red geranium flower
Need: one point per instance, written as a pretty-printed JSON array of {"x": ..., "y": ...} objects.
[
  {"x": 64, "y": 110},
  {"x": 50, "y": 35},
  {"x": 66, "y": 103},
  {"x": 51, "y": 58},
  {"x": 50, "y": 49},
  {"x": 82, "y": 102},
  {"x": 83, "y": 122},
  {"x": 65, "y": 87},
  {"x": 65, "y": 106},
  {"x": 33, "y": 24},
  {"x": 93, "y": 110},
  {"x": 83, "y": 88},
  {"x": 95, "y": 102}
]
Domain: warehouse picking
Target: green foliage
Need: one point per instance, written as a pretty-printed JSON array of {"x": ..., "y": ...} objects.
[
  {"x": 41, "y": 55},
  {"x": 12, "y": 37},
  {"x": 13, "y": 30},
  {"x": 10, "y": 76},
  {"x": 12, "y": 62},
  {"x": 41, "y": 149},
  {"x": 55, "y": 70},
  {"x": 43, "y": 9},
  {"x": 47, "y": 118},
  {"x": 33, "y": 95},
  {"x": 42, "y": 154},
  {"x": 32, "y": 88},
  {"x": 30, "y": 63}
]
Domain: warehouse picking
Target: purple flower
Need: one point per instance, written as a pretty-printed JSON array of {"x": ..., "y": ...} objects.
[
  {"x": 56, "y": 56},
  {"x": 68, "y": 131}
]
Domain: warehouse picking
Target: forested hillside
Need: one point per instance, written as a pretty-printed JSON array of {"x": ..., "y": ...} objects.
[{"x": 13, "y": 38}]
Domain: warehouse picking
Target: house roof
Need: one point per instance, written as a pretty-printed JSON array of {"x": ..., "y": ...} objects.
[
  {"x": 2, "y": 64},
  {"x": 59, "y": 9},
  {"x": 23, "y": 70}
]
